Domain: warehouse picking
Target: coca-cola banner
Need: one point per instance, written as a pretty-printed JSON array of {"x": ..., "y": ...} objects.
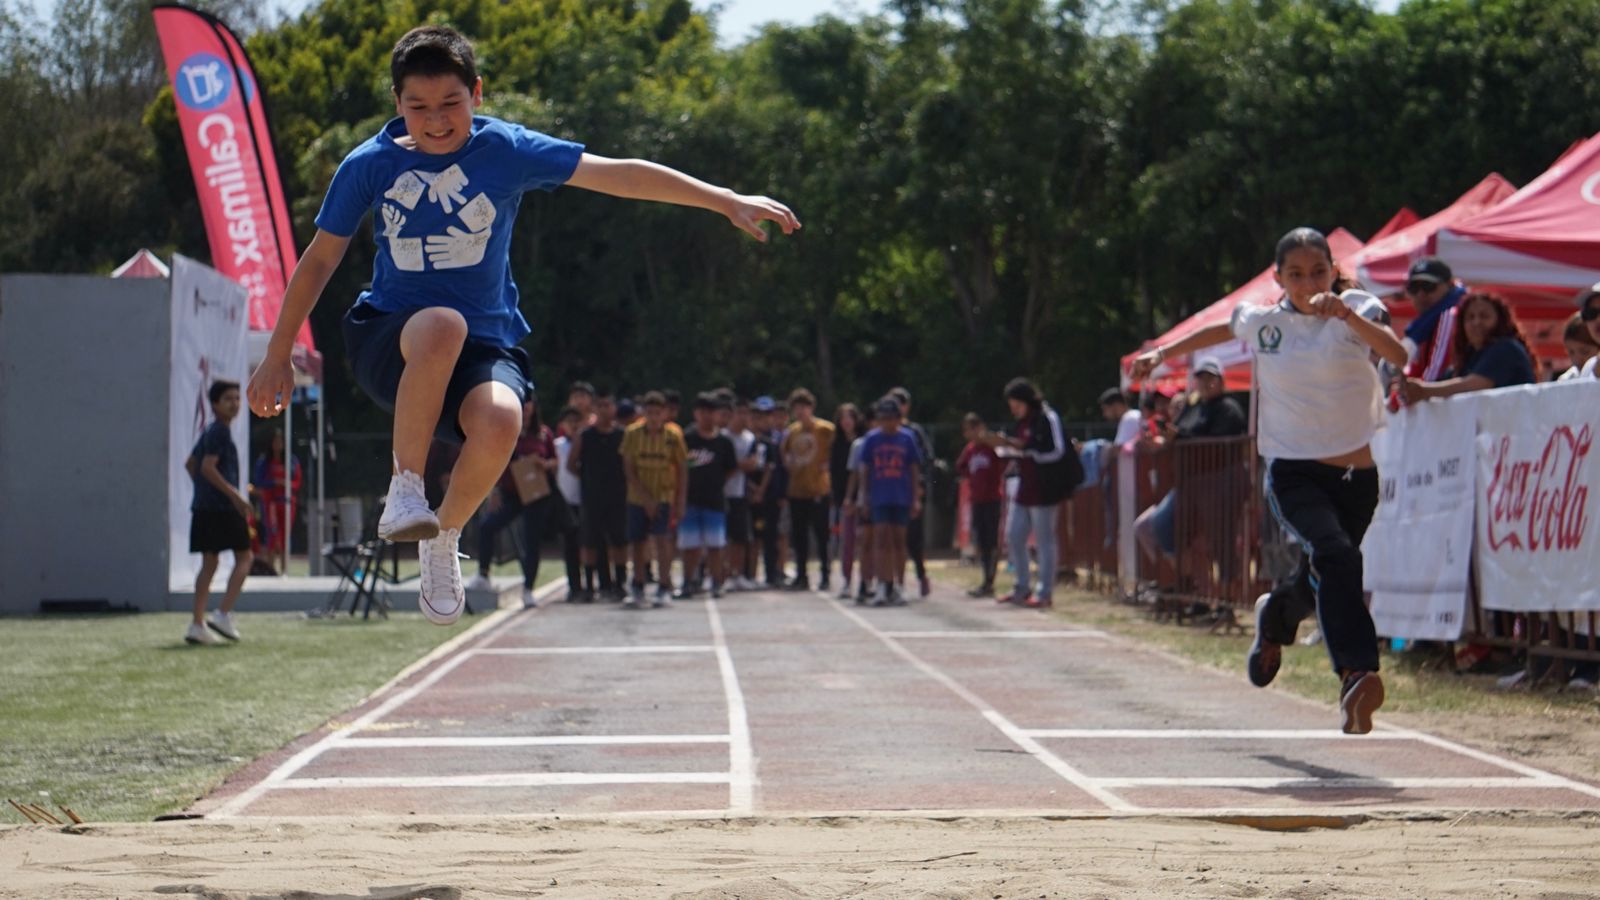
[
  {"x": 230, "y": 152},
  {"x": 1419, "y": 546},
  {"x": 1538, "y": 498}
]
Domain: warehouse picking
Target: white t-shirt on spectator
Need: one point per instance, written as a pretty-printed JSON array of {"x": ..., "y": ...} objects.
[
  {"x": 1589, "y": 368},
  {"x": 1128, "y": 427},
  {"x": 1320, "y": 395},
  {"x": 743, "y": 443},
  {"x": 566, "y": 482}
]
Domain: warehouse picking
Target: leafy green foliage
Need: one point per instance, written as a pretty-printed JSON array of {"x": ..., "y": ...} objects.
[{"x": 989, "y": 186}]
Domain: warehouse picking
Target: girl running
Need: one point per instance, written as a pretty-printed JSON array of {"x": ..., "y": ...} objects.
[{"x": 1320, "y": 405}]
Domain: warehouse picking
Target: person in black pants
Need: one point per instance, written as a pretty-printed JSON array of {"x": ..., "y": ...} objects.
[
  {"x": 506, "y": 506},
  {"x": 1320, "y": 403},
  {"x": 571, "y": 490},
  {"x": 596, "y": 459},
  {"x": 914, "y": 528},
  {"x": 767, "y": 486},
  {"x": 807, "y": 448}
]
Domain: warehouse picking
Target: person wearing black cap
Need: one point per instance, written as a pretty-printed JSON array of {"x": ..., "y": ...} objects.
[
  {"x": 1432, "y": 288},
  {"x": 1588, "y": 301},
  {"x": 596, "y": 459}
]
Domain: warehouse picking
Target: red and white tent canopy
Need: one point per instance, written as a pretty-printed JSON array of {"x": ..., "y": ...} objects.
[
  {"x": 1547, "y": 234},
  {"x": 1382, "y": 265},
  {"x": 1262, "y": 290}
]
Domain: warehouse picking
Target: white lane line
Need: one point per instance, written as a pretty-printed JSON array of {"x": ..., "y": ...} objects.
[
  {"x": 556, "y": 740},
  {"x": 584, "y": 651},
  {"x": 295, "y": 763},
  {"x": 1512, "y": 765},
  {"x": 1271, "y": 783},
  {"x": 741, "y": 756},
  {"x": 1005, "y": 635},
  {"x": 507, "y": 779},
  {"x": 1054, "y": 763},
  {"x": 1280, "y": 734}
]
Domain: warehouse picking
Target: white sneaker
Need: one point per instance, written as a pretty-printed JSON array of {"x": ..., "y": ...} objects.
[
  {"x": 845, "y": 593},
  {"x": 199, "y": 634},
  {"x": 480, "y": 582},
  {"x": 222, "y": 623},
  {"x": 443, "y": 595},
  {"x": 406, "y": 516},
  {"x": 528, "y": 600}
]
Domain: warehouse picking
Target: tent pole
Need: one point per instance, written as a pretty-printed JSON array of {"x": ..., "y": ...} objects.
[{"x": 314, "y": 550}]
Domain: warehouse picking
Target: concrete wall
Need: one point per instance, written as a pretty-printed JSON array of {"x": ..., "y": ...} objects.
[{"x": 83, "y": 440}]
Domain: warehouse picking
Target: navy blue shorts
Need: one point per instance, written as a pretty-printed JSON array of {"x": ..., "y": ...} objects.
[
  {"x": 372, "y": 342},
  {"x": 641, "y": 527},
  {"x": 890, "y": 514}
]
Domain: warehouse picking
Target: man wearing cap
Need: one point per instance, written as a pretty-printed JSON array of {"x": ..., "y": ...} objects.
[
  {"x": 1589, "y": 311},
  {"x": 1434, "y": 292},
  {"x": 1213, "y": 414}
]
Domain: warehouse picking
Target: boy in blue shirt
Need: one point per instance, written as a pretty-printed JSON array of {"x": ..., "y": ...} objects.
[
  {"x": 435, "y": 338},
  {"x": 890, "y": 469},
  {"x": 220, "y": 516}
]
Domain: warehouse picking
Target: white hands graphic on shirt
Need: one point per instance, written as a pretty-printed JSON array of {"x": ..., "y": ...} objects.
[
  {"x": 444, "y": 188},
  {"x": 457, "y": 248}
]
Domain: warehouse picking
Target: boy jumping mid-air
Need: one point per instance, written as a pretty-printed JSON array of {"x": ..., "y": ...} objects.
[{"x": 435, "y": 337}]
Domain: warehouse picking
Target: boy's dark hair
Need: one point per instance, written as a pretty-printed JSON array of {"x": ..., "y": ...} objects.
[
  {"x": 581, "y": 387},
  {"x": 432, "y": 50},
  {"x": 568, "y": 412},
  {"x": 1575, "y": 330},
  {"x": 707, "y": 400},
  {"x": 671, "y": 397},
  {"x": 654, "y": 398},
  {"x": 900, "y": 395},
  {"x": 218, "y": 388},
  {"x": 1113, "y": 395},
  {"x": 972, "y": 419},
  {"x": 801, "y": 395}
]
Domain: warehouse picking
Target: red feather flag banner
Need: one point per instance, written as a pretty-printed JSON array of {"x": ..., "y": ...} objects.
[{"x": 230, "y": 153}]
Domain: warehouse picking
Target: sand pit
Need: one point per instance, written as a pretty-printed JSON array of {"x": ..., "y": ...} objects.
[{"x": 1476, "y": 856}]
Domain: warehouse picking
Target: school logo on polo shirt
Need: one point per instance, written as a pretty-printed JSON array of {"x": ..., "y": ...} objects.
[{"x": 1269, "y": 338}]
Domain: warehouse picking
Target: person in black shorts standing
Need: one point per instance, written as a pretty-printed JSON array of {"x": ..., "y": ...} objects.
[
  {"x": 221, "y": 516},
  {"x": 596, "y": 458}
]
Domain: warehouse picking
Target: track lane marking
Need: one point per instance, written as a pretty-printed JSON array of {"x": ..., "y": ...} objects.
[{"x": 741, "y": 755}]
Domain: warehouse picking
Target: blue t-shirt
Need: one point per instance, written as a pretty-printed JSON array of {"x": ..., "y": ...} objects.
[
  {"x": 888, "y": 459},
  {"x": 443, "y": 222},
  {"x": 1503, "y": 362},
  {"x": 216, "y": 441}
]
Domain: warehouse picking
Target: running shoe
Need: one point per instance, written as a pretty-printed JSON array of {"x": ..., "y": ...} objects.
[
  {"x": 1018, "y": 597},
  {"x": 981, "y": 591},
  {"x": 443, "y": 595},
  {"x": 222, "y": 623},
  {"x": 1265, "y": 656},
  {"x": 528, "y": 600},
  {"x": 199, "y": 634},
  {"x": 1038, "y": 603},
  {"x": 406, "y": 516},
  {"x": 1359, "y": 698}
]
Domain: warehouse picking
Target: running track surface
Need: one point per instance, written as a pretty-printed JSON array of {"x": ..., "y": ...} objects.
[{"x": 770, "y": 704}]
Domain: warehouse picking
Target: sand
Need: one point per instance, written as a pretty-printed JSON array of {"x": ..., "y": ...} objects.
[{"x": 1477, "y": 856}]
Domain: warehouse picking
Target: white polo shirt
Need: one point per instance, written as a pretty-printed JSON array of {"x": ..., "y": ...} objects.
[
  {"x": 566, "y": 482},
  {"x": 1320, "y": 394},
  {"x": 743, "y": 443}
]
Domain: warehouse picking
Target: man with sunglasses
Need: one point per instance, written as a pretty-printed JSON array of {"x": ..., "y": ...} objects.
[
  {"x": 1588, "y": 301},
  {"x": 1432, "y": 289}
]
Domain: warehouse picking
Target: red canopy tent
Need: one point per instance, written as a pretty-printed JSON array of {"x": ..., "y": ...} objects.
[
  {"x": 1383, "y": 264},
  {"x": 1261, "y": 290},
  {"x": 1545, "y": 235}
]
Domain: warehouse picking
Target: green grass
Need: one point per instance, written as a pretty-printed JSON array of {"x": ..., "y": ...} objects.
[
  {"x": 117, "y": 718},
  {"x": 1414, "y": 682}
]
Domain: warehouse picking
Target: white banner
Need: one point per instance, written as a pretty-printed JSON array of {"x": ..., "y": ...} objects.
[
  {"x": 1538, "y": 495},
  {"x": 209, "y": 321},
  {"x": 1418, "y": 548}
]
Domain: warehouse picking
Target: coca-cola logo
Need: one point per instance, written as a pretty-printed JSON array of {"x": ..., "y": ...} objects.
[{"x": 1540, "y": 504}]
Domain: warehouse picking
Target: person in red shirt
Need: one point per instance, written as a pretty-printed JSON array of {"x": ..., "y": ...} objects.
[{"x": 981, "y": 467}]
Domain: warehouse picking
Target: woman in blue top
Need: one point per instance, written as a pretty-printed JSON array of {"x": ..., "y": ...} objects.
[{"x": 1487, "y": 350}]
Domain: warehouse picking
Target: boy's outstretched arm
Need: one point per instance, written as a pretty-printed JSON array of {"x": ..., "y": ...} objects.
[
  {"x": 638, "y": 179},
  {"x": 273, "y": 380}
]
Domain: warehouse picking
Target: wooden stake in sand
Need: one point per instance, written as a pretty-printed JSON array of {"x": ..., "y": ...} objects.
[{"x": 31, "y": 817}]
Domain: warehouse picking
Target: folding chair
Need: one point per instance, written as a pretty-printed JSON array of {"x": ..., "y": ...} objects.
[{"x": 359, "y": 564}]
